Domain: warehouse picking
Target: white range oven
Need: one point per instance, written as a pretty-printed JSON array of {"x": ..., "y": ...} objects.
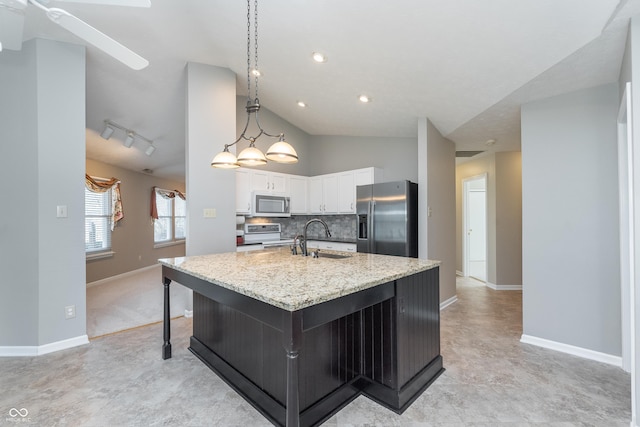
[{"x": 262, "y": 235}]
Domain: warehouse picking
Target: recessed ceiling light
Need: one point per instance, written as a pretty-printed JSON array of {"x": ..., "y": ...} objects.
[
  {"x": 319, "y": 57},
  {"x": 256, "y": 72},
  {"x": 364, "y": 98},
  {"x": 301, "y": 104}
]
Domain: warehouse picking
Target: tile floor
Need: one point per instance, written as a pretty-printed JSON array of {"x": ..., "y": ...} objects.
[{"x": 491, "y": 380}]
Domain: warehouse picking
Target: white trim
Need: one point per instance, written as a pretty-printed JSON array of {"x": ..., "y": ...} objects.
[
  {"x": 459, "y": 273},
  {"x": 188, "y": 313},
  {"x": 503, "y": 287},
  {"x": 15, "y": 351},
  {"x": 447, "y": 303},
  {"x": 90, "y": 256},
  {"x": 169, "y": 243},
  {"x": 121, "y": 276},
  {"x": 570, "y": 349}
]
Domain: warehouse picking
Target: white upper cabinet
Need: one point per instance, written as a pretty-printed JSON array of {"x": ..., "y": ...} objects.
[
  {"x": 270, "y": 182},
  {"x": 333, "y": 193},
  {"x": 243, "y": 191},
  {"x": 316, "y": 197},
  {"x": 367, "y": 176},
  {"x": 347, "y": 183},
  {"x": 346, "y": 192},
  {"x": 298, "y": 192},
  {"x": 330, "y": 194},
  {"x": 323, "y": 194}
]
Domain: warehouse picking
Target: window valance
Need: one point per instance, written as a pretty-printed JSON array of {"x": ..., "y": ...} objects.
[
  {"x": 167, "y": 194},
  {"x": 102, "y": 186}
]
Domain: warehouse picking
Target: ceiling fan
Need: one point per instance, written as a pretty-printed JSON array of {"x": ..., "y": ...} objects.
[{"x": 12, "y": 22}]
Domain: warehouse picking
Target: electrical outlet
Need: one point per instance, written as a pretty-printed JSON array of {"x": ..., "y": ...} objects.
[
  {"x": 70, "y": 312},
  {"x": 210, "y": 213}
]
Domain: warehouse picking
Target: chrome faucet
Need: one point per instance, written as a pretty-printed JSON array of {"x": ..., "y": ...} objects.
[
  {"x": 304, "y": 233},
  {"x": 297, "y": 241}
]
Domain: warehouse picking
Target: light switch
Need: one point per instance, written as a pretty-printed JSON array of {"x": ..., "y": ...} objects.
[
  {"x": 61, "y": 211},
  {"x": 210, "y": 213}
]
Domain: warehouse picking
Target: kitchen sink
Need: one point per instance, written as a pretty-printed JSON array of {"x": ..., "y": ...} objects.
[{"x": 332, "y": 256}]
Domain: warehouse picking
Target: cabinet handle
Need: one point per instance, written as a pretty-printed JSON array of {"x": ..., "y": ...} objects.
[
  {"x": 267, "y": 185},
  {"x": 273, "y": 186},
  {"x": 248, "y": 206},
  {"x": 351, "y": 205},
  {"x": 320, "y": 207}
]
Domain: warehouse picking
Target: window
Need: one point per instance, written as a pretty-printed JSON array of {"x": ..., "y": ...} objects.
[
  {"x": 172, "y": 212},
  {"x": 97, "y": 221}
]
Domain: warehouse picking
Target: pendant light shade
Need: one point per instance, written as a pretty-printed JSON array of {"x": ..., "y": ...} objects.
[
  {"x": 225, "y": 160},
  {"x": 282, "y": 152},
  {"x": 251, "y": 156}
]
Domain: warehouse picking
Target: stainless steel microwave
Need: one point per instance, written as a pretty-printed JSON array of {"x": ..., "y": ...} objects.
[{"x": 270, "y": 205}]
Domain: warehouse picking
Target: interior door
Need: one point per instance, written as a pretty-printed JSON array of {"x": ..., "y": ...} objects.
[{"x": 477, "y": 234}]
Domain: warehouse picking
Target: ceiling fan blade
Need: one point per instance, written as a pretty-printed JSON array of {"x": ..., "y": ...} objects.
[
  {"x": 131, "y": 3},
  {"x": 97, "y": 38},
  {"x": 11, "y": 25}
]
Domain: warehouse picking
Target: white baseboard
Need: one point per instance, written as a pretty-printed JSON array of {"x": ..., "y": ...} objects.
[
  {"x": 570, "y": 349},
  {"x": 447, "y": 303},
  {"x": 459, "y": 273},
  {"x": 121, "y": 276},
  {"x": 504, "y": 287},
  {"x": 11, "y": 351},
  {"x": 188, "y": 313}
]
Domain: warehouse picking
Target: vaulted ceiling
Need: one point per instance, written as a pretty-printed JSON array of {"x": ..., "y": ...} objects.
[{"x": 467, "y": 65}]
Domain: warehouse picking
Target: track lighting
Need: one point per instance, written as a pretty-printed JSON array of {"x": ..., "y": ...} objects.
[
  {"x": 107, "y": 132},
  {"x": 129, "y": 141},
  {"x": 109, "y": 128}
]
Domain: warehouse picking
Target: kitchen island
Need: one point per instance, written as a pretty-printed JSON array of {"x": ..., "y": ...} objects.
[{"x": 300, "y": 337}]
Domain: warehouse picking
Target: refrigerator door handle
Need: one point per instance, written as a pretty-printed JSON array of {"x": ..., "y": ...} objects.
[{"x": 371, "y": 224}]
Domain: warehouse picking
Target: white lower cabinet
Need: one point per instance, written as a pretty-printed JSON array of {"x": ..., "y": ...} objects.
[
  {"x": 334, "y": 246},
  {"x": 247, "y": 248}
]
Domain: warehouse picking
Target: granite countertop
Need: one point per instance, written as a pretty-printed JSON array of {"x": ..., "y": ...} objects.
[{"x": 295, "y": 282}]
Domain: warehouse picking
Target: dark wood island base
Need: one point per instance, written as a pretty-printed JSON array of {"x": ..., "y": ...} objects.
[{"x": 298, "y": 368}]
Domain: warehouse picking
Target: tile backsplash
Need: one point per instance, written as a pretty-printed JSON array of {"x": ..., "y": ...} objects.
[{"x": 342, "y": 227}]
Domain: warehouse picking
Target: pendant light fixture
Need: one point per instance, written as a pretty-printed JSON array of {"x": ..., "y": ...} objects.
[{"x": 280, "y": 151}]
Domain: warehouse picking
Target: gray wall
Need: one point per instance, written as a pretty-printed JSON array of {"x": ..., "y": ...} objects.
[
  {"x": 396, "y": 156},
  {"x": 132, "y": 239},
  {"x": 42, "y": 131},
  {"x": 211, "y": 116},
  {"x": 322, "y": 154},
  {"x": 274, "y": 125},
  {"x": 441, "y": 199},
  {"x": 508, "y": 219},
  {"x": 571, "y": 290}
]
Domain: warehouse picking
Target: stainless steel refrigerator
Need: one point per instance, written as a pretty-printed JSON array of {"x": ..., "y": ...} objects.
[{"x": 388, "y": 218}]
